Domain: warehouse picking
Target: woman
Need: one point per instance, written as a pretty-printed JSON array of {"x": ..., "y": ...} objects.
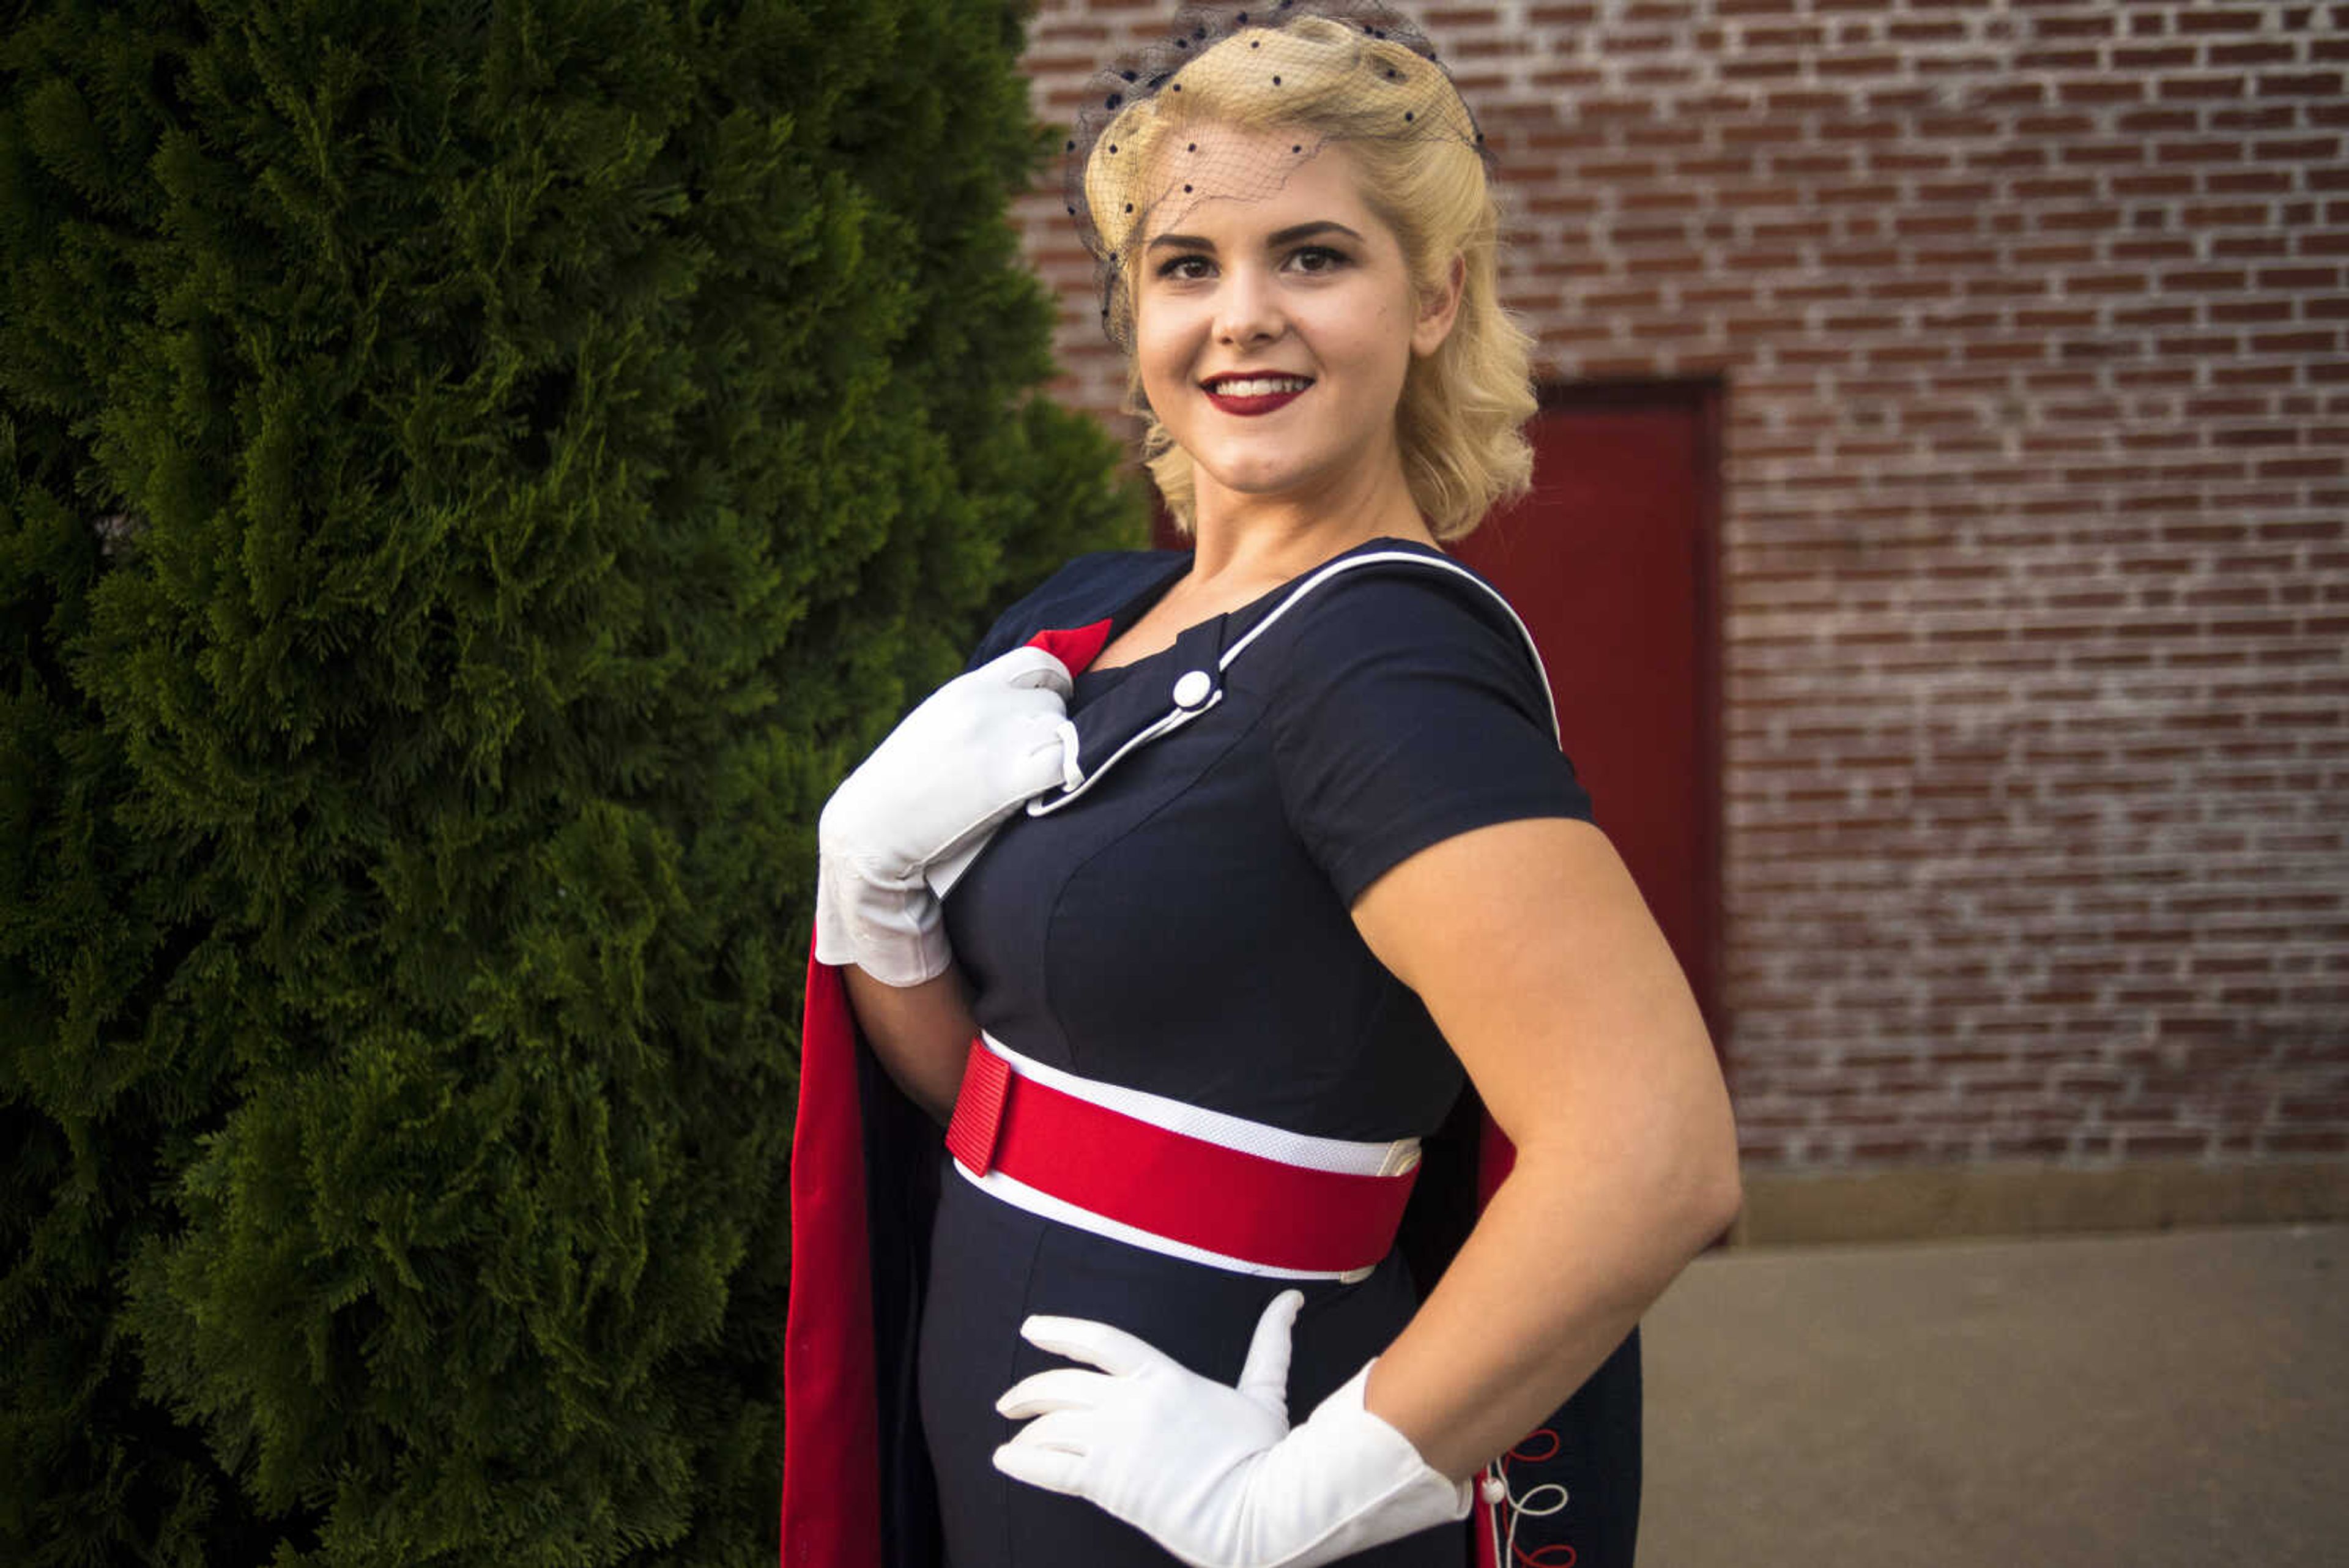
[{"x": 1300, "y": 862}]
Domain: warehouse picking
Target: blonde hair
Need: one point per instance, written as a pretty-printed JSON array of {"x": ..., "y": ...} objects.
[{"x": 1460, "y": 422}]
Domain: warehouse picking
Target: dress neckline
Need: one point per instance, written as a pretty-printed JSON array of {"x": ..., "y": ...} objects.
[{"x": 1135, "y": 608}]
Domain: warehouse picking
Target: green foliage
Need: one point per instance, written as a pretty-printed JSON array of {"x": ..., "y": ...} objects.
[{"x": 474, "y": 476}]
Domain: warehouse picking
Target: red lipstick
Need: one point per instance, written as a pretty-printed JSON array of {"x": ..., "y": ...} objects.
[{"x": 1254, "y": 403}]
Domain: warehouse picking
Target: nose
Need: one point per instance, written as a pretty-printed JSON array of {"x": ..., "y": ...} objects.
[{"x": 1247, "y": 306}]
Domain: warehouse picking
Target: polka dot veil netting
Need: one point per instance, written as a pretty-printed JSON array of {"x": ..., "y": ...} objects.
[{"x": 1153, "y": 133}]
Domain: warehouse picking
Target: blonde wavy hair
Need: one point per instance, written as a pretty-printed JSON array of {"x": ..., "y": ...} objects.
[{"x": 1460, "y": 423}]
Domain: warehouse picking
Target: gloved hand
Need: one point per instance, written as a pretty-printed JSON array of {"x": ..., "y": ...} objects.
[
  {"x": 975, "y": 750},
  {"x": 1216, "y": 1474}
]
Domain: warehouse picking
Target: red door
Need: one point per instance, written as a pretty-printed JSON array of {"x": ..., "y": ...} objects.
[{"x": 1612, "y": 562}]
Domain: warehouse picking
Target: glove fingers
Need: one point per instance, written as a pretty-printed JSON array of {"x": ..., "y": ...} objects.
[
  {"x": 1112, "y": 1350},
  {"x": 1031, "y": 761},
  {"x": 1029, "y": 666},
  {"x": 1264, "y": 1378},
  {"x": 1046, "y": 1468},
  {"x": 1060, "y": 1432},
  {"x": 1026, "y": 764},
  {"x": 1062, "y": 1389},
  {"x": 1022, "y": 758}
]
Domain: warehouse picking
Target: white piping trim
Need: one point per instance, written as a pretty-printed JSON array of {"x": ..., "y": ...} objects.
[
  {"x": 1376, "y": 558},
  {"x": 1179, "y": 716},
  {"x": 1174, "y": 718},
  {"x": 1346, "y": 1157},
  {"x": 1019, "y": 1195}
]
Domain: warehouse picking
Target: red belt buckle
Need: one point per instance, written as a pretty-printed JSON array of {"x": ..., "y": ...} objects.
[{"x": 978, "y": 1122}]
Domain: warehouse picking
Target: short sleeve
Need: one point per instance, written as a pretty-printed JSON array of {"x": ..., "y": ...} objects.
[{"x": 1408, "y": 709}]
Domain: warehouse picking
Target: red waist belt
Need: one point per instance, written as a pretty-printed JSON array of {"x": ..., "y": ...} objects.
[{"x": 1175, "y": 1177}]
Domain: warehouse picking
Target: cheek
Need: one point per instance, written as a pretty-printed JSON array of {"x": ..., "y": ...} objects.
[
  {"x": 1161, "y": 349},
  {"x": 1380, "y": 338},
  {"x": 1154, "y": 372}
]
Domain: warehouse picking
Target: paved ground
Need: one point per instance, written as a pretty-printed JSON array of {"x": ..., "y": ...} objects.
[{"x": 2139, "y": 1401}]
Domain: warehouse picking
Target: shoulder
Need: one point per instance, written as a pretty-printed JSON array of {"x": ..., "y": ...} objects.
[
  {"x": 1405, "y": 703},
  {"x": 1393, "y": 610},
  {"x": 1428, "y": 590},
  {"x": 1081, "y": 592}
]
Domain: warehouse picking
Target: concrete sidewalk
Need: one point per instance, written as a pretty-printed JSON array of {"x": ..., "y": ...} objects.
[{"x": 2140, "y": 1401}]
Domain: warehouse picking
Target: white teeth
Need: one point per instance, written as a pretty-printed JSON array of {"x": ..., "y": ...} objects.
[{"x": 1261, "y": 386}]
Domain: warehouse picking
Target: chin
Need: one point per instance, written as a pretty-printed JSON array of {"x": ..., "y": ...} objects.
[
  {"x": 1257, "y": 481},
  {"x": 1261, "y": 473}
]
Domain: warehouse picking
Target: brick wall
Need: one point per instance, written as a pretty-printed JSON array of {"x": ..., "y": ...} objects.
[{"x": 2037, "y": 707}]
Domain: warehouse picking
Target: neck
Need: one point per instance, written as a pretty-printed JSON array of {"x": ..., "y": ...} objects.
[{"x": 1244, "y": 538}]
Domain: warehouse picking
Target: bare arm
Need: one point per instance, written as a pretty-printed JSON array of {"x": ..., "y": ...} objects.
[
  {"x": 1541, "y": 964},
  {"x": 921, "y": 1032}
]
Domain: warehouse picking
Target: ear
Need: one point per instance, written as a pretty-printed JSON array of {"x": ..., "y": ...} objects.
[{"x": 1439, "y": 308}]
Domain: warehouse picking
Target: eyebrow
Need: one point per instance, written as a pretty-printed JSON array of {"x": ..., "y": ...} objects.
[{"x": 1272, "y": 241}]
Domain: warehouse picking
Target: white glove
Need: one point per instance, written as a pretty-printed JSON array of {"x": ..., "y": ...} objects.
[
  {"x": 975, "y": 750},
  {"x": 1216, "y": 1474}
]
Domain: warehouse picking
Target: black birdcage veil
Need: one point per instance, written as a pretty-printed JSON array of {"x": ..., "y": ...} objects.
[{"x": 1132, "y": 166}]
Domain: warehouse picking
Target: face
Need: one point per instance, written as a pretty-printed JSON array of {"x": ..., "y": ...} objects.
[{"x": 1273, "y": 332}]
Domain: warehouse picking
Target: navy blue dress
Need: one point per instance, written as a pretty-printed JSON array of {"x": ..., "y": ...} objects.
[{"x": 1183, "y": 930}]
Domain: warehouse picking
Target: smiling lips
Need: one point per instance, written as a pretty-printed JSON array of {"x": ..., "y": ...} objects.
[{"x": 1257, "y": 394}]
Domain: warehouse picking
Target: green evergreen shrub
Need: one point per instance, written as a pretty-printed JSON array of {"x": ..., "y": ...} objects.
[{"x": 475, "y": 475}]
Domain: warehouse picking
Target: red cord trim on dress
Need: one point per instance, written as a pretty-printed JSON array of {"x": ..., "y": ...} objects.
[{"x": 1540, "y": 1503}]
